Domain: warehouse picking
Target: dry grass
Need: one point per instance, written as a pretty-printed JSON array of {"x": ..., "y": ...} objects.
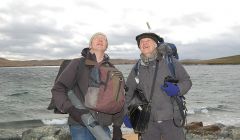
[
  {"x": 234, "y": 60},
  {"x": 10, "y": 63}
]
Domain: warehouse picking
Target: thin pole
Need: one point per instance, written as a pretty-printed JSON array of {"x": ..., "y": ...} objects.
[{"x": 149, "y": 27}]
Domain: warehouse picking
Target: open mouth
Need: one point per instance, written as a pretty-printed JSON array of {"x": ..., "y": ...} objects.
[
  {"x": 99, "y": 44},
  {"x": 145, "y": 47}
]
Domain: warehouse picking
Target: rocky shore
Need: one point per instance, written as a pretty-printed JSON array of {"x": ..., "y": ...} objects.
[{"x": 194, "y": 131}]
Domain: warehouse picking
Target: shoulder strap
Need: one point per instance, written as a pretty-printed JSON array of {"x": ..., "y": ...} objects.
[
  {"x": 79, "y": 70},
  {"x": 106, "y": 63},
  {"x": 154, "y": 80},
  {"x": 137, "y": 66},
  {"x": 62, "y": 67},
  {"x": 171, "y": 66},
  {"x": 94, "y": 63},
  {"x": 136, "y": 70},
  {"x": 179, "y": 99}
]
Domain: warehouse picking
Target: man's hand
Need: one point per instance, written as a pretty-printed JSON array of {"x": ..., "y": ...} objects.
[
  {"x": 170, "y": 88},
  {"x": 76, "y": 113}
]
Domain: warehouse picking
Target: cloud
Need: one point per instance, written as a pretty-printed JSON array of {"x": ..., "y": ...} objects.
[
  {"x": 191, "y": 20},
  {"x": 89, "y": 4},
  {"x": 20, "y": 10},
  {"x": 43, "y": 29},
  {"x": 32, "y": 38},
  {"x": 222, "y": 45}
]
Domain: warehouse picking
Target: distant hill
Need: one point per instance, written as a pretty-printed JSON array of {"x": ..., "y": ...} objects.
[
  {"x": 217, "y": 61},
  {"x": 230, "y": 60},
  {"x": 11, "y": 63}
]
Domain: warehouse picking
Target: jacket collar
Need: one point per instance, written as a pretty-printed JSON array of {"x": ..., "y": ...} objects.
[{"x": 91, "y": 58}]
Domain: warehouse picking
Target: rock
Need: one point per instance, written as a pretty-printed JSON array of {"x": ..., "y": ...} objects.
[
  {"x": 47, "y": 133},
  {"x": 195, "y": 131},
  {"x": 236, "y": 133},
  {"x": 10, "y": 134},
  {"x": 193, "y": 125},
  {"x": 227, "y": 132},
  {"x": 211, "y": 129}
]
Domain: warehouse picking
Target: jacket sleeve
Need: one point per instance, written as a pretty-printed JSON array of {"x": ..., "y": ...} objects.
[
  {"x": 131, "y": 86},
  {"x": 184, "y": 81},
  {"x": 63, "y": 84}
]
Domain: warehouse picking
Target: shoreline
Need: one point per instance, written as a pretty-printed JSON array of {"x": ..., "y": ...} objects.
[
  {"x": 184, "y": 63},
  {"x": 228, "y": 60},
  {"x": 195, "y": 131}
]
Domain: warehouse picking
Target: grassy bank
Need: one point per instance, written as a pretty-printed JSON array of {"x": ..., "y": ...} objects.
[{"x": 230, "y": 60}]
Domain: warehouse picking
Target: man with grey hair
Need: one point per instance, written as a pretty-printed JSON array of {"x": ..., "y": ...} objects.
[
  {"x": 150, "y": 80},
  {"x": 95, "y": 52}
]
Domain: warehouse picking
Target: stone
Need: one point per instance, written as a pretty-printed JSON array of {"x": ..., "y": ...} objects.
[
  {"x": 10, "y": 134},
  {"x": 47, "y": 133},
  {"x": 193, "y": 125},
  {"x": 236, "y": 133}
]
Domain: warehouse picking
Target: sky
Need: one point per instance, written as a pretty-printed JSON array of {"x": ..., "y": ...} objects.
[{"x": 60, "y": 29}]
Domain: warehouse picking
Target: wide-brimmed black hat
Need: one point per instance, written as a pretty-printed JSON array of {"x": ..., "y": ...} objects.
[{"x": 153, "y": 36}]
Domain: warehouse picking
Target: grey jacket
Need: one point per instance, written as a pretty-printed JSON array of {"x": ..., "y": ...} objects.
[
  {"x": 66, "y": 81},
  {"x": 162, "y": 108}
]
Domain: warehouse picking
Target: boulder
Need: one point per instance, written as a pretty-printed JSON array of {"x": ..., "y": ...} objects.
[
  {"x": 47, "y": 133},
  {"x": 236, "y": 133},
  {"x": 193, "y": 126},
  {"x": 10, "y": 134}
]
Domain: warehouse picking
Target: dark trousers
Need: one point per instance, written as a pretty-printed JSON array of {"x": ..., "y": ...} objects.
[{"x": 165, "y": 130}]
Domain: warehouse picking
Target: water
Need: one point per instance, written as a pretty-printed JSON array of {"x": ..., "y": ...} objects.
[{"x": 214, "y": 97}]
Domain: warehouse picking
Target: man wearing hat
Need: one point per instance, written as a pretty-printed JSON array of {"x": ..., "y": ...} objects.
[{"x": 161, "y": 125}]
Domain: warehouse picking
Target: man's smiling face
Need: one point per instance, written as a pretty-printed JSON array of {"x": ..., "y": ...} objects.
[{"x": 147, "y": 46}]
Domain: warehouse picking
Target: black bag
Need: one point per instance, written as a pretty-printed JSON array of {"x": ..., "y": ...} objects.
[{"x": 139, "y": 115}]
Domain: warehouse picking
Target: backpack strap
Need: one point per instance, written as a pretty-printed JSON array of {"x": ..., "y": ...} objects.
[
  {"x": 79, "y": 70},
  {"x": 138, "y": 91},
  {"x": 62, "y": 67},
  {"x": 136, "y": 70},
  {"x": 154, "y": 80},
  {"x": 171, "y": 66},
  {"x": 179, "y": 99},
  {"x": 93, "y": 63}
]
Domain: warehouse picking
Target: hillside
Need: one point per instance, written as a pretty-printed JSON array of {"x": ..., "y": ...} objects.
[
  {"x": 10, "y": 63},
  {"x": 230, "y": 60}
]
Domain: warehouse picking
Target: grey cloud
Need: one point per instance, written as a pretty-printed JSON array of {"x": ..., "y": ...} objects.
[
  {"x": 219, "y": 46},
  {"x": 26, "y": 28},
  {"x": 24, "y": 25},
  {"x": 125, "y": 54},
  {"x": 117, "y": 38},
  {"x": 28, "y": 34},
  {"x": 20, "y": 8},
  {"x": 22, "y": 38},
  {"x": 190, "y": 20},
  {"x": 67, "y": 50}
]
